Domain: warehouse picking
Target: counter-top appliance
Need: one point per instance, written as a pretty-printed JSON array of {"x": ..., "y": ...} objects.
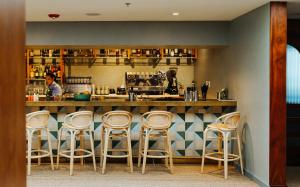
[{"x": 148, "y": 83}]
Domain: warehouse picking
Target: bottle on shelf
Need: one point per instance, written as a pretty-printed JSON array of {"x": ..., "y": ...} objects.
[
  {"x": 180, "y": 52},
  {"x": 166, "y": 52},
  {"x": 36, "y": 73},
  {"x": 58, "y": 72},
  {"x": 184, "y": 52},
  {"x": 133, "y": 51},
  {"x": 172, "y": 53},
  {"x": 41, "y": 72},
  {"x": 176, "y": 52},
  {"x": 147, "y": 52},
  {"x": 138, "y": 53},
  {"x": 32, "y": 74}
]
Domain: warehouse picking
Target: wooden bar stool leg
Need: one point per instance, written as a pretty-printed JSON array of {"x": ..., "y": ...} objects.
[
  {"x": 170, "y": 152},
  {"x": 126, "y": 145},
  {"x": 107, "y": 132},
  {"x": 81, "y": 137},
  {"x": 101, "y": 146},
  {"x": 220, "y": 149},
  {"x": 145, "y": 150},
  {"x": 58, "y": 147},
  {"x": 73, "y": 142},
  {"x": 29, "y": 144},
  {"x": 203, "y": 149},
  {"x": 50, "y": 148},
  {"x": 240, "y": 152},
  {"x": 140, "y": 147},
  {"x": 166, "y": 148},
  {"x": 92, "y": 149},
  {"x": 129, "y": 150},
  {"x": 225, "y": 135},
  {"x": 39, "y": 145}
]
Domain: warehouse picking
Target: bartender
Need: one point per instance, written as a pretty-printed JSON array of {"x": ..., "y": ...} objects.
[{"x": 54, "y": 88}]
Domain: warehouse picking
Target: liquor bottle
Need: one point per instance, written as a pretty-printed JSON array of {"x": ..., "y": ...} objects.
[
  {"x": 157, "y": 53},
  {"x": 41, "y": 73},
  {"x": 167, "y": 52},
  {"x": 50, "y": 52},
  {"x": 138, "y": 53},
  {"x": 124, "y": 53},
  {"x": 184, "y": 52},
  {"x": 65, "y": 53},
  {"x": 49, "y": 94},
  {"x": 36, "y": 73},
  {"x": 176, "y": 52},
  {"x": 32, "y": 73},
  {"x": 102, "y": 52},
  {"x": 172, "y": 53},
  {"x": 180, "y": 52},
  {"x": 147, "y": 52},
  {"x": 58, "y": 72},
  {"x": 133, "y": 51},
  {"x": 189, "y": 53},
  {"x": 31, "y": 55}
]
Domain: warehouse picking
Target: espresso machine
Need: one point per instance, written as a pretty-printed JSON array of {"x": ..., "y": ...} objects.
[{"x": 148, "y": 83}]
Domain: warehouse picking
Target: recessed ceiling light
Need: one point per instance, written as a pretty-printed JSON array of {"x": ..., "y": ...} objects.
[
  {"x": 93, "y": 14},
  {"x": 53, "y": 16},
  {"x": 175, "y": 13},
  {"x": 127, "y": 4}
]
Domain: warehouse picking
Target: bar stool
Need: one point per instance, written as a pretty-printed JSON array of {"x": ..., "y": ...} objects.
[
  {"x": 77, "y": 123},
  {"x": 227, "y": 126},
  {"x": 155, "y": 124},
  {"x": 116, "y": 124},
  {"x": 36, "y": 122}
]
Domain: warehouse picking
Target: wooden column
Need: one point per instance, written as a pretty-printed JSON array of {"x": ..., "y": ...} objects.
[
  {"x": 278, "y": 41},
  {"x": 12, "y": 83}
]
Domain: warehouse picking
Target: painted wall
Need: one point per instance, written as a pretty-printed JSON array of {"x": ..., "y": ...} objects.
[
  {"x": 127, "y": 33},
  {"x": 210, "y": 67},
  {"x": 248, "y": 76},
  {"x": 114, "y": 76}
]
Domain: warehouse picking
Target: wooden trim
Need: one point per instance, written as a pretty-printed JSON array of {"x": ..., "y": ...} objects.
[
  {"x": 12, "y": 86},
  {"x": 278, "y": 41}
]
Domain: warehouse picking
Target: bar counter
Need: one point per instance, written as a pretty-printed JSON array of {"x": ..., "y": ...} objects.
[
  {"x": 119, "y": 102},
  {"x": 188, "y": 123}
]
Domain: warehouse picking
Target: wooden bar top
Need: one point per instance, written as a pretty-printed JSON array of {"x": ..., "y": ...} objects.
[{"x": 118, "y": 102}]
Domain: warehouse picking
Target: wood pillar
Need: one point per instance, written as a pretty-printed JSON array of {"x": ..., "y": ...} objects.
[
  {"x": 278, "y": 42},
  {"x": 12, "y": 84}
]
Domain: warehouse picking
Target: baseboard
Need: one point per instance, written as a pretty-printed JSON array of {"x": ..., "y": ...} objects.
[{"x": 252, "y": 177}]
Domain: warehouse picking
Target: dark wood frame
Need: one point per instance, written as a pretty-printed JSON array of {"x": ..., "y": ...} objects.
[
  {"x": 12, "y": 86},
  {"x": 278, "y": 42}
]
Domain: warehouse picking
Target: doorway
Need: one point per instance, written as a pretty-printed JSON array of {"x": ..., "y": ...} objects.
[{"x": 293, "y": 95}]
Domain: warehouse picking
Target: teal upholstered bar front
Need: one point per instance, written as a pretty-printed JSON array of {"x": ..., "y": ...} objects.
[{"x": 188, "y": 124}]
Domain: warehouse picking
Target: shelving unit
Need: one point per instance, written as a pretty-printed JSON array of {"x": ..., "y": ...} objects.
[
  {"x": 76, "y": 56},
  {"x": 36, "y": 59}
]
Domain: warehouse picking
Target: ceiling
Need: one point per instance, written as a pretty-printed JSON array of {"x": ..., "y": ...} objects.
[
  {"x": 294, "y": 10},
  {"x": 140, "y": 10}
]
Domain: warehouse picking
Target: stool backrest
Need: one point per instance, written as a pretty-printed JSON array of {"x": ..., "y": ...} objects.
[
  {"x": 80, "y": 120},
  {"x": 232, "y": 120},
  {"x": 157, "y": 119},
  {"x": 38, "y": 119},
  {"x": 117, "y": 119}
]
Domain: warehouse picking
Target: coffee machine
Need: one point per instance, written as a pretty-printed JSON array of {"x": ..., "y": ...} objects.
[
  {"x": 148, "y": 83},
  {"x": 172, "y": 85}
]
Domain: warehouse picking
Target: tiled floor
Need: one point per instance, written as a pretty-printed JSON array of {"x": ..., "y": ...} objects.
[
  {"x": 293, "y": 176},
  {"x": 117, "y": 175}
]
